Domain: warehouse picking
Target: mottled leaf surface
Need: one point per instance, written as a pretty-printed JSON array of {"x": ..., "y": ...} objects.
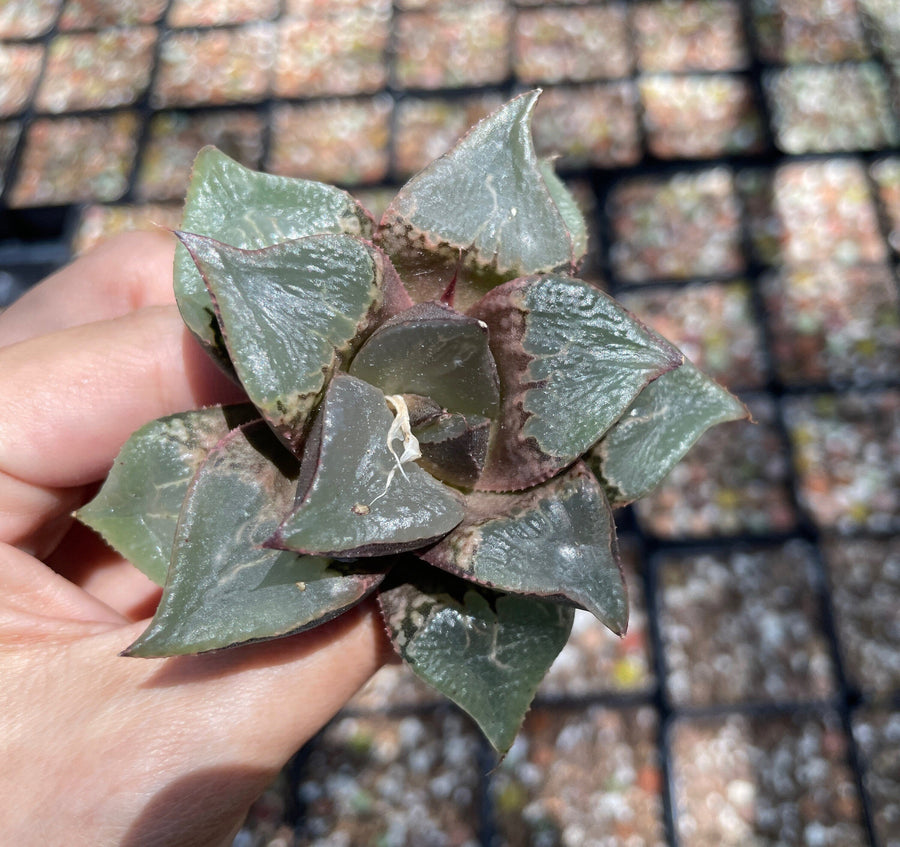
[
  {"x": 482, "y": 213},
  {"x": 568, "y": 208},
  {"x": 137, "y": 508},
  {"x": 662, "y": 424},
  {"x": 555, "y": 540},
  {"x": 247, "y": 209},
  {"x": 571, "y": 360},
  {"x": 289, "y": 314},
  {"x": 435, "y": 352},
  {"x": 360, "y": 499},
  {"x": 486, "y": 652},
  {"x": 224, "y": 587}
]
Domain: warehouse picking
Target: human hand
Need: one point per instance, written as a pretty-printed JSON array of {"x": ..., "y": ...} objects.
[{"x": 98, "y": 749}]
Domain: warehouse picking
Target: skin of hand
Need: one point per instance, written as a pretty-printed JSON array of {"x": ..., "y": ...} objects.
[{"x": 98, "y": 749}]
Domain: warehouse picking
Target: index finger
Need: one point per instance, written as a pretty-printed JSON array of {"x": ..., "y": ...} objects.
[
  {"x": 120, "y": 275},
  {"x": 72, "y": 398}
]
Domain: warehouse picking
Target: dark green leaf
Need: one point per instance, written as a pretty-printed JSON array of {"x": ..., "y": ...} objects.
[
  {"x": 662, "y": 424},
  {"x": 571, "y": 360},
  {"x": 486, "y": 652},
  {"x": 568, "y": 208},
  {"x": 137, "y": 508},
  {"x": 224, "y": 587},
  {"x": 289, "y": 315},
  {"x": 358, "y": 496},
  {"x": 483, "y": 213},
  {"x": 246, "y": 209},
  {"x": 555, "y": 540},
  {"x": 454, "y": 447},
  {"x": 435, "y": 352}
]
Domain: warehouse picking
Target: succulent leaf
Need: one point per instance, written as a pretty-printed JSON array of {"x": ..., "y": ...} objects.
[
  {"x": 224, "y": 588},
  {"x": 556, "y": 540},
  {"x": 358, "y": 497},
  {"x": 422, "y": 411},
  {"x": 496, "y": 373},
  {"x": 482, "y": 213},
  {"x": 137, "y": 508},
  {"x": 454, "y": 447},
  {"x": 568, "y": 208},
  {"x": 571, "y": 360},
  {"x": 484, "y": 651},
  {"x": 435, "y": 352},
  {"x": 289, "y": 314},
  {"x": 660, "y": 426},
  {"x": 250, "y": 210}
]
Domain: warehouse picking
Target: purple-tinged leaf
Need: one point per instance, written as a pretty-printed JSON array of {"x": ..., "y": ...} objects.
[
  {"x": 435, "y": 352},
  {"x": 482, "y": 213},
  {"x": 394, "y": 296},
  {"x": 250, "y": 210},
  {"x": 422, "y": 410},
  {"x": 556, "y": 540},
  {"x": 658, "y": 429},
  {"x": 359, "y": 494},
  {"x": 486, "y": 652},
  {"x": 571, "y": 360},
  {"x": 137, "y": 508},
  {"x": 454, "y": 447},
  {"x": 224, "y": 587},
  {"x": 290, "y": 314}
]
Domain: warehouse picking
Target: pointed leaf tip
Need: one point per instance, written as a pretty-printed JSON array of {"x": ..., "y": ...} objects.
[
  {"x": 250, "y": 210},
  {"x": 556, "y": 540},
  {"x": 137, "y": 508},
  {"x": 487, "y": 652},
  {"x": 661, "y": 425},
  {"x": 223, "y": 587},
  {"x": 289, "y": 314},
  {"x": 435, "y": 352},
  {"x": 362, "y": 496},
  {"x": 485, "y": 212},
  {"x": 571, "y": 360}
]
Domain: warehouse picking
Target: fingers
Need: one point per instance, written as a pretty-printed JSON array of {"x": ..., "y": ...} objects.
[
  {"x": 79, "y": 371},
  {"x": 165, "y": 751},
  {"x": 38, "y": 521},
  {"x": 34, "y": 598},
  {"x": 119, "y": 276},
  {"x": 72, "y": 398},
  {"x": 35, "y": 517},
  {"x": 279, "y": 693},
  {"x": 86, "y": 561}
]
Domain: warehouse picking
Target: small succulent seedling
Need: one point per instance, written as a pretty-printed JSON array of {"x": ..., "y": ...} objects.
[{"x": 438, "y": 411}]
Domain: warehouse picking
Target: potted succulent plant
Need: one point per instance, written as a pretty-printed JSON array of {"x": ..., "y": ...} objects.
[{"x": 438, "y": 411}]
